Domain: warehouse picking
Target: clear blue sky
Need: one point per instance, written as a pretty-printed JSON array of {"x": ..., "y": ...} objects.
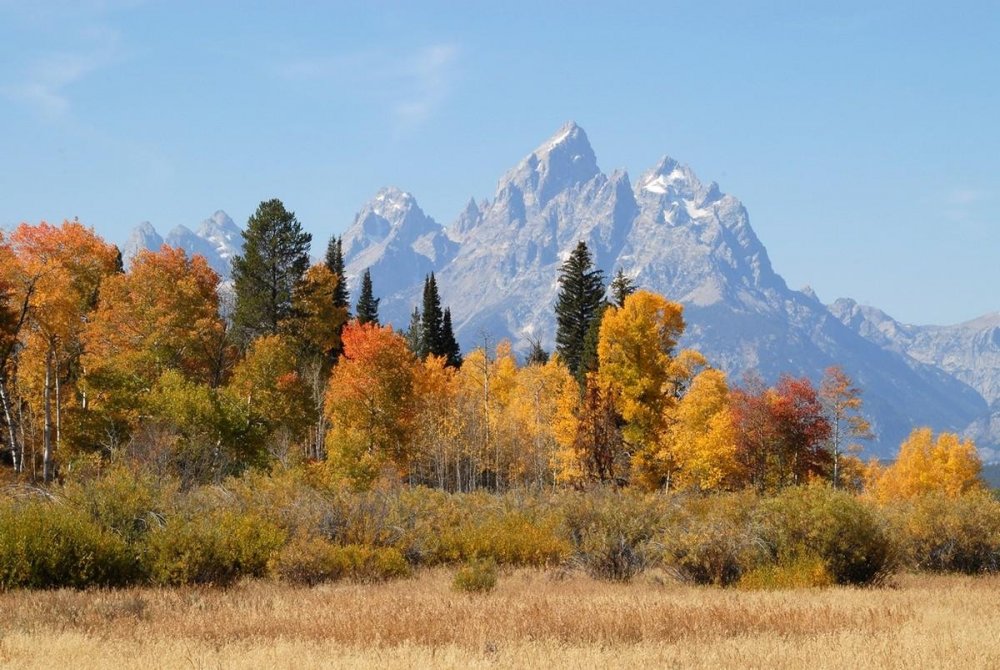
[{"x": 864, "y": 138}]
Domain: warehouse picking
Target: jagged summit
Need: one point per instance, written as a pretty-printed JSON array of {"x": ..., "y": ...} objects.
[
  {"x": 218, "y": 239},
  {"x": 565, "y": 160},
  {"x": 498, "y": 265}
]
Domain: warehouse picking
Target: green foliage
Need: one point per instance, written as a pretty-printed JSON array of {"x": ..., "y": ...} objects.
[
  {"x": 842, "y": 530},
  {"x": 367, "y": 309},
  {"x": 478, "y": 576},
  {"x": 803, "y": 571},
  {"x": 275, "y": 256},
  {"x": 940, "y": 533},
  {"x": 314, "y": 560},
  {"x": 713, "y": 539},
  {"x": 581, "y": 292},
  {"x": 53, "y": 545},
  {"x": 613, "y": 533},
  {"x": 126, "y": 503},
  {"x": 216, "y": 548},
  {"x": 335, "y": 263}
]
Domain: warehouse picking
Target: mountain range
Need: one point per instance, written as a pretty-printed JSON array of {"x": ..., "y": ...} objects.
[{"x": 497, "y": 266}]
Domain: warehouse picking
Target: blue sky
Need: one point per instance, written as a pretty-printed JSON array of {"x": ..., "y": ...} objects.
[{"x": 864, "y": 138}]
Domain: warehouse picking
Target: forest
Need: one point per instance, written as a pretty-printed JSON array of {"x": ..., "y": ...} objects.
[{"x": 163, "y": 427}]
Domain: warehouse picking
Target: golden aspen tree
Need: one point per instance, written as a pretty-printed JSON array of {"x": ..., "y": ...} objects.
[
  {"x": 436, "y": 424},
  {"x": 533, "y": 411},
  {"x": 947, "y": 465},
  {"x": 700, "y": 442},
  {"x": 636, "y": 365}
]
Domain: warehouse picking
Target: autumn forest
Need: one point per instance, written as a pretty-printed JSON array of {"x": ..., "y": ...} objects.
[{"x": 162, "y": 427}]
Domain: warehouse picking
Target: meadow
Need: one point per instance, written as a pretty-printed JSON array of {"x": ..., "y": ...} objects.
[{"x": 534, "y": 618}]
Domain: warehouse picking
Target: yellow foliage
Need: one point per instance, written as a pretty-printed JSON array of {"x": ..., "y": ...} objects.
[
  {"x": 947, "y": 465},
  {"x": 700, "y": 444}
]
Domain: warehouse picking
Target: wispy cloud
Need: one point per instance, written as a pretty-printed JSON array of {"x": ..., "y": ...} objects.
[
  {"x": 966, "y": 204},
  {"x": 411, "y": 85},
  {"x": 43, "y": 81}
]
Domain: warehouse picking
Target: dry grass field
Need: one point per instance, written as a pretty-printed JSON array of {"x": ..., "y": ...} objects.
[{"x": 532, "y": 619}]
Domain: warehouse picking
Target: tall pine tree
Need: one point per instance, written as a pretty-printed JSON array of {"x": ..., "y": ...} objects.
[
  {"x": 452, "y": 352},
  {"x": 414, "y": 334},
  {"x": 432, "y": 321},
  {"x": 581, "y": 292},
  {"x": 621, "y": 287},
  {"x": 275, "y": 257},
  {"x": 335, "y": 263},
  {"x": 367, "y": 310}
]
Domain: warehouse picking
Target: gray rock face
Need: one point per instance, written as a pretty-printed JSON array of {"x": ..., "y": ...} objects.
[
  {"x": 217, "y": 238},
  {"x": 969, "y": 351},
  {"x": 498, "y": 266}
]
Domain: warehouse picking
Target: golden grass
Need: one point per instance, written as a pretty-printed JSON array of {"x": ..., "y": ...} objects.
[{"x": 531, "y": 620}]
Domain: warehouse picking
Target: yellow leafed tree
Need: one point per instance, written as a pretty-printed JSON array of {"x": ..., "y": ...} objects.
[
  {"x": 700, "y": 442},
  {"x": 946, "y": 465}
]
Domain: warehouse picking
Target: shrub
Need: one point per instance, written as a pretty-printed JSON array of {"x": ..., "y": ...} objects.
[
  {"x": 313, "y": 560},
  {"x": 124, "y": 502},
  {"x": 803, "y": 571},
  {"x": 713, "y": 539},
  {"x": 217, "y": 548},
  {"x": 478, "y": 576},
  {"x": 944, "y": 534},
  {"x": 51, "y": 545},
  {"x": 612, "y": 532},
  {"x": 840, "y": 529}
]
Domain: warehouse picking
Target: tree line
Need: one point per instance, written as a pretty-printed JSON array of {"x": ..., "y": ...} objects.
[{"x": 98, "y": 363}]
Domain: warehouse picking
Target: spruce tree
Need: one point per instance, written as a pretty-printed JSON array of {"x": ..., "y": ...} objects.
[
  {"x": 622, "y": 287},
  {"x": 580, "y": 296},
  {"x": 335, "y": 263},
  {"x": 588, "y": 357},
  {"x": 432, "y": 321},
  {"x": 367, "y": 309},
  {"x": 452, "y": 352},
  {"x": 275, "y": 257},
  {"x": 414, "y": 334},
  {"x": 536, "y": 355}
]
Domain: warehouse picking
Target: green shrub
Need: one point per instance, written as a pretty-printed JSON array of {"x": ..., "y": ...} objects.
[
  {"x": 217, "y": 548},
  {"x": 313, "y": 560},
  {"x": 943, "y": 534},
  {"x": 124, "y": 502},
  {"x": 803, "y": 571},
  {"x": 713, "y": 539},
  {"x": 839, "y": 528},
  {"x": 478, "y": 576},
  {"x": 51, "y": 545},
  {"x": 613, "y": 532}
]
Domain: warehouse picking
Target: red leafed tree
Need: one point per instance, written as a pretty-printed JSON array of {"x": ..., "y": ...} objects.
[{"x": 780, "y": 432}]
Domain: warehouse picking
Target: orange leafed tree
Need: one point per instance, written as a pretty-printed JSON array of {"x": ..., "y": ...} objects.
[
  {"x": 67, "y": 265},
  {"x": 369, "y": 404},
  {"x": 162, "y": 315}
]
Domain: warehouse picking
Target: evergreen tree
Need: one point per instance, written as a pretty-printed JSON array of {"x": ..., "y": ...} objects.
[
  {"x": 367, "y": 310},
  {"x": 432, "y": 321},
  {"x": 414, "y": 334},
  {"x": 335, "y": 263},
  {"x": 275, "y": 256},
  {"x": 588, "y": 357},
  {"x": 536, "y": 355},
  {"x": 452, "y": 352},
  {"x": 622, "y": 287},
  {"x": 580, "y": 297}
]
